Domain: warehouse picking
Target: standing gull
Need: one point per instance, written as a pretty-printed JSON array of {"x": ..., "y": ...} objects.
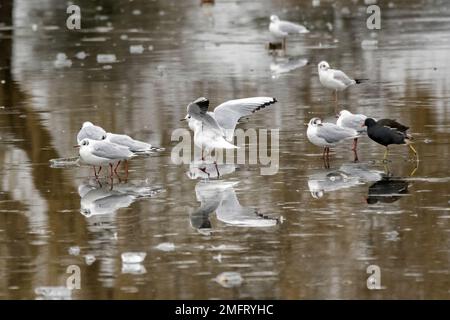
[
  {"x": 101, "y": 153},
  {"x": 352, "y": 121},
  {"x": 327, "y": 135},
  {"x": 334, "y": 79},
  {"x": 216, "y": 129},
  {"x": 93, "y": 132},
  {"x": 386, "y": 135},
  {"x": 282, "y": 29}
]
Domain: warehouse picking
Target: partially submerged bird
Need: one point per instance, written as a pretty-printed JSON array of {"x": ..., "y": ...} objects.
[
  {"x": 386, "y": 135},
  {"x": 335, "y": 79},
  {"x": 353, "y": 121},
  {"x": 327, "y": 135},
  {"x": 281, "y": 29}
]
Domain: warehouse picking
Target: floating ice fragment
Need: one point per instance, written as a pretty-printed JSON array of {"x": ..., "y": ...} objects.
[
  {"x": 62, "y": 61},
  {"x": 315, "y": 3},
  {"x": 34, "y": 27},
  {"x": 136, "y": 12},
  {"x": 133, "y": 257},
  {"x": 81, "y": 55},
  {"x": 89, "y": 259},
  {"x": 369, "y": 2},
  {"x": 74, "y": 251},
  {"x": 137, "y": 49},
  {"x": 369, "y": 44},
  {"x": 124, "y": 37},
  {"x": 106, "y": 58},
  {"x": 53, "y": 293},
  {"x": 229, "y": 279},
  {"x": 166, "y": 246},
  {"x": 150, "y": 48},
  {"x": 133, "y": 268}
]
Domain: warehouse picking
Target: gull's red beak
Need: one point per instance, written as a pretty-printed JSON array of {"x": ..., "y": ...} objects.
[{"x": 77, "y": 146}]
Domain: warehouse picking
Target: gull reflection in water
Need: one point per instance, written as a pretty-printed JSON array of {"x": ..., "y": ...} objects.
[
  {"x": 204, "y": 170},
  {"x": 282, "y": 65},
  {"x": 220, "y": 196},
  {"x": 348, "y": 175},
  {"x": 98, "y": 200}
]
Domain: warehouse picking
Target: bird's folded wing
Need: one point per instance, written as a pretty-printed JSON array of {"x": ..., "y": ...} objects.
[
  {"x": 289, "y": 27},
  {"x": 228, "y": 113},
  {"x": 332, "y": 133},
  {"x": 342, "y": 77},
  {"x": 110, "y": 151},
  {"x": 125, "y": 140}
]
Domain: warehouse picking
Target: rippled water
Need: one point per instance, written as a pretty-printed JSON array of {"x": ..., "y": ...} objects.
[{"x": 305, "y": 232}]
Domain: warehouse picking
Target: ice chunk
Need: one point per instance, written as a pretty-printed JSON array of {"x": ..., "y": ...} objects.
[
  {"x": 136, "y": 12},
  {"x": 229, "y": 279},
  {"x": 81, "y": 55},
  {"x": 137, "y": 49},
  {"x": 133, "y": 268},
  {"x": 133, "y": 257},
  {"x": 315, "y": 3},
  {"x": 89, "y": 259},
  {"x": 62, "y": 61},
  {"x": 165, "y": 246},
  {"x": 74, "y": 251},
  {"x": 106, "y": 58},
  {"x": 53, "y": 293},
  {"x": 369, "y": 44}
]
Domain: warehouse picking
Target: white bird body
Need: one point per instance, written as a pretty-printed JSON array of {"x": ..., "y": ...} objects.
[
  {"x": 93, "y": 132},
  {"x": 100, "y": 152},
  {"x": 328, "y": 134},
  {"x": 333, "y": 79},
  {"x": 281, "y": 29},
  {"x": 215, "y": 130},
  {"x": 353, "y": 121}
]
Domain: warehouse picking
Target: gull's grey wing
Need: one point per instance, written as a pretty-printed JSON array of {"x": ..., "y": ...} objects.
[
  {"x": 333, "y": 133},
  {"x": 110, "y": 151},
  {"x": 228, "y": 113},
  {"x": 91, "y": 132},
  {"x": 289, "y": 27},
  {"x": 200, "y": 113},
  {"x": 342, "y": 77},
  {"x": 354, "y": 122},
  {"x": 124, "y": 140}
]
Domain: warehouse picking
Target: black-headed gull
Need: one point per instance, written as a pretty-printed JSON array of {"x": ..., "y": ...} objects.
[
  {"x": 281, "y": 29},
  {"x": 326, "y": 135},
  {"x": 353, "y": 121},
  {"x": 335, "y": 79},
  {"x": 215, "y": 130},
  {"x": 101, "y": 153}
]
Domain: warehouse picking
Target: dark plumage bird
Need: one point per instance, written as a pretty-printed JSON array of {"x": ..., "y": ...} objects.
[
  {"x": 393, "y": 124},
  {"x": 387, "y": 135}
]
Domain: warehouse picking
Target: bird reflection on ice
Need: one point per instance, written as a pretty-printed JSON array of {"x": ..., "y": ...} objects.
[
  {"x": 348, "y": 175},
  {"x": 220, "y": 196},
  {"x": 98, "y": 200}
]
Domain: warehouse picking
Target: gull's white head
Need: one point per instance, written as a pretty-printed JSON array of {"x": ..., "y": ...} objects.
[
  {"x": 314, "y": 122},
  {"x": 323, "y": 66},
  {"x": 87, "y": 124},
  {"x": 274, "y": 18},
  {"x": 344, "y": 113}
]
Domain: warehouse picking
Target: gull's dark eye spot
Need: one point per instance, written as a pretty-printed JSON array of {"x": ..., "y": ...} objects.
[{"x": 104, "y": 137}]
